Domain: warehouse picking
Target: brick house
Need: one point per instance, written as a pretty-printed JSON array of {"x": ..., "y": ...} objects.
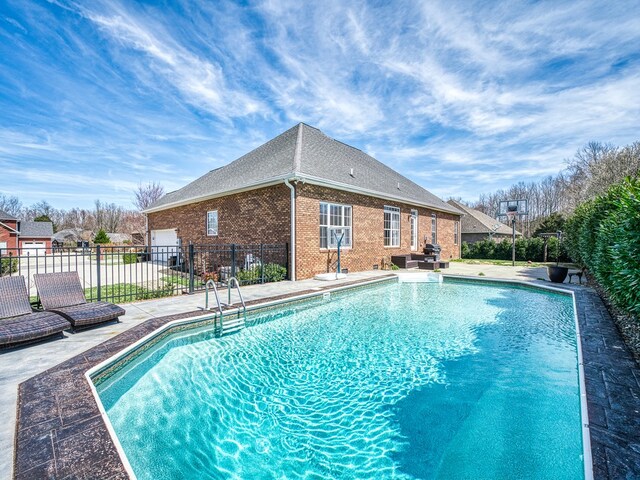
[
  {"x": 300, "y": 188},
  {"x": 477, "y": 226},
  {"x": 8, "y": 231},
  {"x": 21, "y": 237}
]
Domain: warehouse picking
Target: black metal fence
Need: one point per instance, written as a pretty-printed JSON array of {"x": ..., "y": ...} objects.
[{"x": 123, "y": 274}]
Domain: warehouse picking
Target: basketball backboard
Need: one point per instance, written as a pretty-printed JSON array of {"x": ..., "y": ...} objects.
[{"x": 508, "y": 208}]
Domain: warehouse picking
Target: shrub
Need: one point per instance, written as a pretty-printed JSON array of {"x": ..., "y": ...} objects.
[
  {"x": 602, "y": 235},
  {"x": 8, "y": 266},
  {"x": 274, "y": 272},
  {"x": 526, "y": 249},
  {"x": 128, "y": 258},
  {"x": 101, "y": 237},
  {"x": 464, "y": 250},
  {"x": 521, "y": 248},
  {"x": 502, "y": 250},
  {"x": 535, "y": 249},
  {"x": 248, "y": 276}
]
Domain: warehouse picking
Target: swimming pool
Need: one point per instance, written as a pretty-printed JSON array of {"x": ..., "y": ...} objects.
[{"x": 422, "y": 380}]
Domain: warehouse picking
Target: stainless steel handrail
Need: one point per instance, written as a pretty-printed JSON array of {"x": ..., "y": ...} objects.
[
  {"x": 211, "y": 283},
  {"x": 229, "y": 282}
]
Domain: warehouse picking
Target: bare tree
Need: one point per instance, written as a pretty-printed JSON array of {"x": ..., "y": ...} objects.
[
  {"x": 145, "y": 195},
  {"x": 108, "y": 216},
  {"x": 589, "y": 173},
  {"x": 78, "y": 218},
  {"x": 11, "y": 205}
]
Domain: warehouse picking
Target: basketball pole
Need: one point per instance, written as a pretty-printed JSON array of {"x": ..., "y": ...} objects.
[{"x": 513, "y": 237}]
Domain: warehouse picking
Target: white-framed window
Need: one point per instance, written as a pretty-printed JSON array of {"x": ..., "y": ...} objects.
[
  {"x": 391, "y": 226},
  {"x": 335, "y": 221},
  {"x": 212, "y": 223},
  {"x": 456, "y": 232},
  {"x": 434, "y": 228}
]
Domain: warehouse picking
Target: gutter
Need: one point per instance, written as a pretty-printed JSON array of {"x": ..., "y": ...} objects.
[
  {"x": 9, "y": 228},
  {"x": 293, "y": 229}
]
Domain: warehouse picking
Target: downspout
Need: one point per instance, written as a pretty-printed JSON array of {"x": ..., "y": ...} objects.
[{"x": 293, "y": 229}]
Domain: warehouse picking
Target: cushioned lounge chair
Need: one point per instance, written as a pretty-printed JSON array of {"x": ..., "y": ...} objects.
[
  {"x": 19, "y": 324},
  {"x": 62, "y": 293}
]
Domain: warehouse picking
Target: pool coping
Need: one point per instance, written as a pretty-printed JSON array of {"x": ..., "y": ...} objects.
[{"x": 45, "y": 428}]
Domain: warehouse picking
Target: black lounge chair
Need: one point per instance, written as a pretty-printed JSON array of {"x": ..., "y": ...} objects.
[
  {"x": 62, "y": 293},
  {"x": 19, "y": 324}
]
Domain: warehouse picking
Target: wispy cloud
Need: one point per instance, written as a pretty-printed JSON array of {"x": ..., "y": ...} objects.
[{"x": 97, "y": 96}]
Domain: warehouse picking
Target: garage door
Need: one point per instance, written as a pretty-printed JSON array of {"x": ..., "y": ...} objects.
[
  {"x": 164, "y": 245},
  {"x": 33, "y": 248}
]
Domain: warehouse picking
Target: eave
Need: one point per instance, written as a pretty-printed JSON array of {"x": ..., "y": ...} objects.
[{"x": 304, "y": 178}]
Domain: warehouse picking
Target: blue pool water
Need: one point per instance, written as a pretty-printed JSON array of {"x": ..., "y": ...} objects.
[{"x": 396, "y": 381}]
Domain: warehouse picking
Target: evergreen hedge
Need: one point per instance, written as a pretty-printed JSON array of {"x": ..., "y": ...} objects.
[
  {"x": 604, "y": 235},
  {"x": 526, "y": 249}
]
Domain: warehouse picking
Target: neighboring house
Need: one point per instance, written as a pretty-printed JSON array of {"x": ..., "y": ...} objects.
[
  {"x": 35, "y": 237},
  {"x": 477, "y": 226},
  {"x": 69, "y": 237},
  {"x": 24, "y": 237},
  {"x": 299, "y": 188},
  {"x": 8, "y": 231}
]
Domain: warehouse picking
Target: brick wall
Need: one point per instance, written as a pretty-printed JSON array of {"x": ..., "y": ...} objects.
[
  {"x": 368, "y": 231},
  {"x": 7, "y": 235},
  {"x": 263, "y": 215},
  {"x": 257, "y": 216}
]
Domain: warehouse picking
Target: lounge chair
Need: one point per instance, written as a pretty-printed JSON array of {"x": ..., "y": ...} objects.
[
  {"x": 62, "y": 293},
  {"x": 19, "y": 324}
]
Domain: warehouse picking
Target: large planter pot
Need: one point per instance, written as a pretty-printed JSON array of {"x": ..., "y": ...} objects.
[{"x": 557, "y": 274}]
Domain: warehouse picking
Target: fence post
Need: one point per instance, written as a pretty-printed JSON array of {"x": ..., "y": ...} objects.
[
  {"x": 98, "y": 272},
  {"x": 233, "y": 259},
  {"x": 191, "y": 270},
  {"x": 286, "y": 257},
  {"x": 262, "y": 263}
]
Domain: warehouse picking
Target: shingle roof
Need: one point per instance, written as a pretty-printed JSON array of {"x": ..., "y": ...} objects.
[
  {"x": 5, "y": 216},
  {"x": 305, "y": 153},
  {"x": 35, "y": 229},
  {"x": 474, "y": 221}
]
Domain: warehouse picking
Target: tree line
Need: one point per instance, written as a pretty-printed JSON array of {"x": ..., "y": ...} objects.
[
  {"x": 102, "y": 216},
  {"x": 592, "y": 170}
]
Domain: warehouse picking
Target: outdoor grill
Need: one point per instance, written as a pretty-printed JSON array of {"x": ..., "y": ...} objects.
[{"x": 433, "y": 249}]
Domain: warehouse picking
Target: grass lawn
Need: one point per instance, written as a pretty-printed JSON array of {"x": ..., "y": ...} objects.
[
  {"x": 127, "y": 292},
  {"x": 507, "y": 263}
]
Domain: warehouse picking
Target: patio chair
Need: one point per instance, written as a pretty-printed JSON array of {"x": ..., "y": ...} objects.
[
  {"x": 62, "y": 293},
  {"x": 19, "y": 324}
]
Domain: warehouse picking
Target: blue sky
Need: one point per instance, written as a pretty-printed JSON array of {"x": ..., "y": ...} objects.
[{"x": 461, "y": 97}]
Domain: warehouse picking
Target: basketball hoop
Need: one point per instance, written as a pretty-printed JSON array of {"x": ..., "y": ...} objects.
[{"x": 510, "y": 209}]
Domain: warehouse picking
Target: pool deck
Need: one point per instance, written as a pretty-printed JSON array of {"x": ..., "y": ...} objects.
[{"x": 61, "y": 434}]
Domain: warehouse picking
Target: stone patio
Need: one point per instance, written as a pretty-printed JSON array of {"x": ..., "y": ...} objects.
[{"x": 60, "y": 429}]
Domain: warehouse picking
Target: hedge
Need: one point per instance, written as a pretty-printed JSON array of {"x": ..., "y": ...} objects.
[
  {"x": 604, "y": 235},
  {"x": 526, "y": 249}
]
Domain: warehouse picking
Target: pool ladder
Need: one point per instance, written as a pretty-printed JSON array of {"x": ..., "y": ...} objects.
[{"x": 234, "y": 324}]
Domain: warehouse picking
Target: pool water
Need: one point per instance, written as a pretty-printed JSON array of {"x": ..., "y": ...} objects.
[{"x": 452, "y": 380}]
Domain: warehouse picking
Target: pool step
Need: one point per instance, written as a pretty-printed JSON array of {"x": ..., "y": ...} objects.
[{"x": 232, "y": 324}]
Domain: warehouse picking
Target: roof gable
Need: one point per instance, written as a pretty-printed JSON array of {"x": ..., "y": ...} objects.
[
  {"x": 475, "y": 221},
  {"x": 305, "y": 153},
  {"x": 5, "y": 216},
  {"x": 35, "y": 229}
]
